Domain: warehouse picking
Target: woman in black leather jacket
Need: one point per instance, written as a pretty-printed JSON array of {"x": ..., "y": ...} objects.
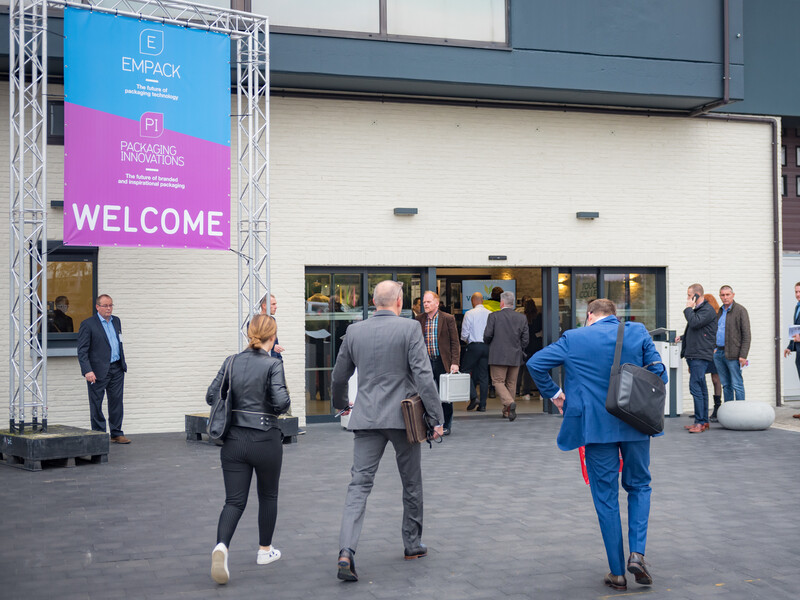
[{"x": 254, "y": 442}]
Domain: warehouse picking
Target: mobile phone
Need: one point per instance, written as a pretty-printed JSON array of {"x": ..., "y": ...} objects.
[
  {"x": 341, "y": 412},
  {"x": 695, "y": 297}
]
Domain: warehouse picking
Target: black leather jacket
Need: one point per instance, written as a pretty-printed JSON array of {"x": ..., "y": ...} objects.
[{"x": 257, "y": 389}]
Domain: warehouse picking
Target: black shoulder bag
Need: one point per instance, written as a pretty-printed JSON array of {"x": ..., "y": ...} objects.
[
  {"x": 219, "y": 419},
  {"x": 636, "y": 396}
]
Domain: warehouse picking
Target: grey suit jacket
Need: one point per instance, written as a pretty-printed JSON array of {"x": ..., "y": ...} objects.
[
  {"x": 507, "y": 334},
  {"x": 389, "y": 352}
]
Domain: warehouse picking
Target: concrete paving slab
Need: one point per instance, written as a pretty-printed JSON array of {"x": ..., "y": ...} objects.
[{"x": 507, "y": 515}]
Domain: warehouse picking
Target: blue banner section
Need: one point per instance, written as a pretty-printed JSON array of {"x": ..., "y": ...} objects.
[{"x": 127, "y": 67}]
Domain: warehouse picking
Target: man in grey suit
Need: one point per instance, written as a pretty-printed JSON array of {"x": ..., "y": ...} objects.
[
  {"x": 507, "y": 334},
  {"x": 393, "y": 364}
]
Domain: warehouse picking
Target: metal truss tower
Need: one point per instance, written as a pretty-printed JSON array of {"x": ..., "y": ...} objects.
[{"x": 28, "y": 174}]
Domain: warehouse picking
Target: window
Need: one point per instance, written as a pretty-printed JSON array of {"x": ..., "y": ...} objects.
[
  {"x": 460, "y": 22},
  {"x": 71, "y": 292},
  {"x": 335, "y": 298},
  {"x": 55, "y": 122}
]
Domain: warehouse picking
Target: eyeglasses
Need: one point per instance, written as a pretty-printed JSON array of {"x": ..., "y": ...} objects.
[{"x": 106, "y": 305}]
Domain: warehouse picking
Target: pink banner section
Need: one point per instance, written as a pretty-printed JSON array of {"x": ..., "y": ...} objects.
[{"x": 145, "y": 186}]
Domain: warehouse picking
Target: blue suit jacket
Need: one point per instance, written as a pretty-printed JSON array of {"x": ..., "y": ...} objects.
[{"x": 587, "y": 354}]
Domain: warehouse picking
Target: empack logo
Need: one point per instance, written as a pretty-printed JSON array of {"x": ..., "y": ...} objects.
[
  {"x": 151, "y": 125},
  {"x": 151, "y": 41}
]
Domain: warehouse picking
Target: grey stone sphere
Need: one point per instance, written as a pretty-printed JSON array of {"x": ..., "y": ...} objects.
[{"x": 745, "y": 416}]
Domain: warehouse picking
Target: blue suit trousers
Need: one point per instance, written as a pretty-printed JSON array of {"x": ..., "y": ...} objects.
[{"x": 602, "y": 466}]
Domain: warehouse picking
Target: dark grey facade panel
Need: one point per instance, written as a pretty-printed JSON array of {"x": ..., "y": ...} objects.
[
  {"x": 682, "y": 30},
  {"x": 304, "y": 61},
  {"x": 772, "y": 43}
]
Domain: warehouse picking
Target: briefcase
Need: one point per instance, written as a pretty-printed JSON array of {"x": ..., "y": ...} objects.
[
  {"x": 454, "y": 387},
  {"x": 635, "y": 395},
  {"x": 417, "y": 428}
]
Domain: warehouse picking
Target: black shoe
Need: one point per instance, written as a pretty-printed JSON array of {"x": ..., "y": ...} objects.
[
  {"x": 473, "y": 404},
  {"x": 347, "y": 567},
  {"x": 638, "y": 567},
  {"x": 445, "y": 431},
  {"x": 512, "y": 411},
  {"x": 713, "y": 419},
  {"x": 483, "y": 409},
  {"x": 420, "y": 551},
  {"x": 616, "y": 582}
]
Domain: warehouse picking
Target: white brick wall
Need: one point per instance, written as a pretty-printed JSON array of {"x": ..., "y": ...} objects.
[{"x": 693, "y": 195}]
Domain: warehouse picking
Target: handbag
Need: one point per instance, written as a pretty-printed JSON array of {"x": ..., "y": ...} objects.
[
  {"x": 636, "y": 396},
  {"x": 219, "y": 418},
  {"x": 418, "y": 428}
]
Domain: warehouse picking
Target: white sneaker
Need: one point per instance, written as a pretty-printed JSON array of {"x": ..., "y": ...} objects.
[
  {"x": 267, "y": 556},
  {"x": 219, "y": 564},
  {"x": 526, "y": 397}
]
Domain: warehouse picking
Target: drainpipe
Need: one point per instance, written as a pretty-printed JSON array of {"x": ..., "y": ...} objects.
[{"x": 726, "y": 67}]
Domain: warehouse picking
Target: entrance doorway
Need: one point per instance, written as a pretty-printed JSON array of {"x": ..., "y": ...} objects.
[{"x": 339, "y": 296}]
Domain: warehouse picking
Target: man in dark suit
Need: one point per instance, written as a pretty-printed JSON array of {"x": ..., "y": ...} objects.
[
  {"x": 587, "y": 354},
  {"x": 794, "y": 343},
  {"x": 507, "y": 334},
  {"x": 441, "y": 341},
  {"x": 389, "y": 353},
  {"x": 102, "y": 360}
]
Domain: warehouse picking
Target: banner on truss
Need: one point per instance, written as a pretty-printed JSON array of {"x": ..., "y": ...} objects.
[{"x": 146, "y": 133}]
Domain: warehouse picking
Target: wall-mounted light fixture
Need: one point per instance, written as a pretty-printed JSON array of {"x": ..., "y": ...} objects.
[
  {"x": 405, "y": 212},
  {"x": 498, "y": 257},
  {"x": 588, "y": 215}
]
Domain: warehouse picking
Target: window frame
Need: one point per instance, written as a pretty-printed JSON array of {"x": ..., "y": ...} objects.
[
  {"x": 384, "y": 36},
  {"x": 66, "y": 344}
]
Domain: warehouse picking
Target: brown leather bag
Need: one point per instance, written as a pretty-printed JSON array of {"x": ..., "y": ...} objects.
[{"x": 417, "y": 427}]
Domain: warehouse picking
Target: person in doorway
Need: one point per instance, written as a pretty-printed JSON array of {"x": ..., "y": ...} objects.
[
  {"x": 587, "y": 353},
  {"x": 101, "y": 356},
  {"x": 493, "y": 303},
  {"x": 441, "y": 341},
  {"x": 507, "y": 334},
  {"x": 416, "y": 307},
  {"x": 257, "y": 391},
  {"x": 534, "y": 318},
  {"x": 389, "y": 353},
  {"x": 732, "y": 345},
  {"x": 697, "y": 347},
  {"x": 794, "y": 343},
  {"x": 475, "y": 360}
]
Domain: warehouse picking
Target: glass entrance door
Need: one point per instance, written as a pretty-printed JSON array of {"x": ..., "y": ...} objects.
[{"x": 335, "y": 298}]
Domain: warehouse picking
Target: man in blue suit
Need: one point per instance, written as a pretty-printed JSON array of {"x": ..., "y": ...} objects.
[{"x": 587, "y": 354}]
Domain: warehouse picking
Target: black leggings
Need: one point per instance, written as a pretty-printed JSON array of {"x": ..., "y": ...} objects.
[{"x": 244, "y": 450}]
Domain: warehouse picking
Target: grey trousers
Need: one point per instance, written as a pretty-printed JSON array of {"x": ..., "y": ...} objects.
[{"x": 368, "y": 447}]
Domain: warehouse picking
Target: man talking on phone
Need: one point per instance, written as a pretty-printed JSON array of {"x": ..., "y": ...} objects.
[
  {"x": 697, "y": 347},
  {"x": 389, "y": 352}
]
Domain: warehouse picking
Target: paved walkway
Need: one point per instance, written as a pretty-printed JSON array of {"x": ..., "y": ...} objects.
[{"x": 507, "y": 516}]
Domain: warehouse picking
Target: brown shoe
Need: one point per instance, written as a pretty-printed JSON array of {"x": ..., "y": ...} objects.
[
  {"x": 616, "y": 582},
  {"x": 706, "y": 426},
  {"x": 689, "y": 426},
  {"x": 797, "y": 416},
  {"x": 697, "y": 428},
  {"x": 120, "y": 439},
  {"x": 638, "y": 567}
]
